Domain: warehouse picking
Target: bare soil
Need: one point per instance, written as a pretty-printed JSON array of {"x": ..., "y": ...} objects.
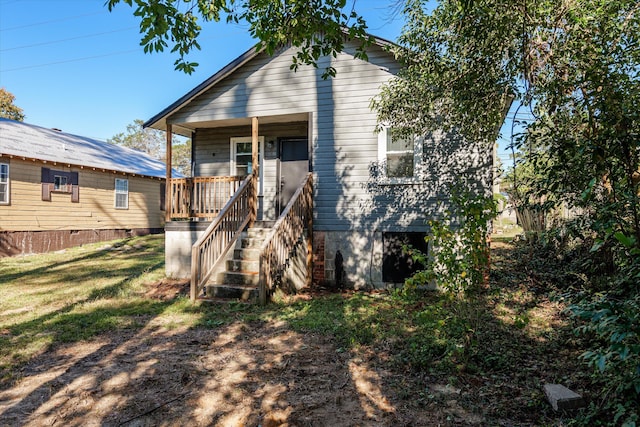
[{"x": 259, "y": 374}]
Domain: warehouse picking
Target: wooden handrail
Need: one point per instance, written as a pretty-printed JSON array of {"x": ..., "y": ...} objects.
[
  {"x": 287, "y": 232},
  {"x": 201, "y": 196},
  {"x": 219, "y": 237}
]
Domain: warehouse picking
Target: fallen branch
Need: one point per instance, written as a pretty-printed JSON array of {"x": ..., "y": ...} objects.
[{"x": 154, "y": 409}]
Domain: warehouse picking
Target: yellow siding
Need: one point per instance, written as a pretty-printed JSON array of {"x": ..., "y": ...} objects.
[{"x": 27, "y": 211}]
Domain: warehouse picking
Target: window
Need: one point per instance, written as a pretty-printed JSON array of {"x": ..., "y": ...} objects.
[
  {"x": 241, "y": 158},
  {"x": 60, "y": 183},
  {"x": 4, "y": 183},
  {"x": 400, "y": 157},
  {"x": 163, "y": 196},
  {"x": 122, "y": 193},
  {"x": 397, "y": 264}
]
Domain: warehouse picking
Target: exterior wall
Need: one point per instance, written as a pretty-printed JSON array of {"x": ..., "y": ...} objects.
[
  {"x": 362, "y": 258},
  {"x": 178, "y": 239},
  {"x": 343, "y": 138},
  {"x": 30, "y": 242},
  {"x": 27, "y": 212},
  {"x": 353, "y": 203},
  {"x": 294, "y": 277},
  {"x": 212, "y": 155}
]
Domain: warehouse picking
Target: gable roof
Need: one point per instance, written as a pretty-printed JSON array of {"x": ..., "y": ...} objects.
[
  {"x": 34, "y": 142},
  {"x": 217, "y": 77}
]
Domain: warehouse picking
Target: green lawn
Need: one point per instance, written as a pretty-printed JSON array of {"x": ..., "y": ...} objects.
[{"x": 75, "y": 294}]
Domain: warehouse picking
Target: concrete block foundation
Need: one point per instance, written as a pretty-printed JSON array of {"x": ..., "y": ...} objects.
[
  {"x": 178, "y": 240},
  {"x": 361, "y": 254}
]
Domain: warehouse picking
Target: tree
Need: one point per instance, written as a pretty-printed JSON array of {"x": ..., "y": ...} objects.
[
  {"x": 575, "y": 66},
  {"x": 150, "y": 141},
  {"x": 181, "y": 157},
  {"x": 153, "y": 143},
  {"x": 8, "y": 109},
  {"x": 316, "y": 27}
]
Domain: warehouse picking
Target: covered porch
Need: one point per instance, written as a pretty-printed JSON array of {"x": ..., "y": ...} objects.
[{"x": 245, "y": 172}]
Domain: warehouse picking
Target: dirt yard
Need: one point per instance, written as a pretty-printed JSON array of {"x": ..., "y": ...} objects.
[{"x": 260, "y": 374}]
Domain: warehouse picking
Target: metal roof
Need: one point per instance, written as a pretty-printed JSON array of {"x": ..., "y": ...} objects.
[{"x": 34, "y": 142}]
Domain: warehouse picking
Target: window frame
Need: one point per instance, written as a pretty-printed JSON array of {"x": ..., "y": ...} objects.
[
  {"x": 62, "y": 185},
  {"x": 234, "y": 141},
  {"x": 418, "y": 144},
  {"x": 119, "y": 191},
  {"x": 7, "y": 182}
]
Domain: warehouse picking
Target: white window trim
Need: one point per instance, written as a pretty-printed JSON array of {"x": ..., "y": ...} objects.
[
  {"x": 232, "y": 160},
  {"x": 8, "y": 200},
  {"x": 116, "y": 192},
  {"x": 417, "y": 159}
]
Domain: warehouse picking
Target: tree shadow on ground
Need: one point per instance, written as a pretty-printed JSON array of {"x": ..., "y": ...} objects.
[
  {"x": 113, "y": 361},
  {"x": 342, "y": 360}
]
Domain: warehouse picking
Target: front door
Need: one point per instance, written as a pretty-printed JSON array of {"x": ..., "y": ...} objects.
[{"x": 294, "y": 166}]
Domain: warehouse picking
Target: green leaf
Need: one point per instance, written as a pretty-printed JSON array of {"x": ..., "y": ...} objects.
[
  {"x": 597, "y": 245},
  {"x": 627, "y": 241}
]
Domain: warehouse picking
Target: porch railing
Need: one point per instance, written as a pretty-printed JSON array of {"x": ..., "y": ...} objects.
[
  {"x": 286, "y": 234},
  {"x": 208, "y": 252},
  {"x": 202, "y": 196}
]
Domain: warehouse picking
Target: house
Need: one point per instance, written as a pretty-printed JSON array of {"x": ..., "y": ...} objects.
[
  {"x": 335, "y": 200},
  {"x": 59, "y": 190}
]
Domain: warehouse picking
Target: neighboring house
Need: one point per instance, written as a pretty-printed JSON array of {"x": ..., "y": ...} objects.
[
  {"x": 59, "y": 190},
  {"x": 370, "y": 194}
]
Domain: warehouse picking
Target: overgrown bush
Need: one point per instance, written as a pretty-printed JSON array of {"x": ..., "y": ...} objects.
[
  {"x": 459, "y": 251},
  {"x": 611, "y": 318}
]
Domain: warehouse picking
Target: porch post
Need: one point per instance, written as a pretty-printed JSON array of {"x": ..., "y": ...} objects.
[
  {"x": 168, "y": 203},
  {"x": 255, "y": 169},
  {"x": 309, "y": 213}
]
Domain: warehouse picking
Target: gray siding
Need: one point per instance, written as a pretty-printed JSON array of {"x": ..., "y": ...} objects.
[
  {"x": 208, "y": 142},
  {"x": 348, "y": 195},
  {"x": 447, "y": 160}
]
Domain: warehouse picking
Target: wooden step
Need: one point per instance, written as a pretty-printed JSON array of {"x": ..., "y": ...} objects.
[
  {"x": 232, "y": 292},
  {"x": 244, "y": 278},
  {"x": 239, "y": 264}
]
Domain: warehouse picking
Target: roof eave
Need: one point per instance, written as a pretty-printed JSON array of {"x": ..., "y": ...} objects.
[
  {"x": 224, "y": 72},
  {"x": 156, "y": 121},
  {"x": 87, "y": 167}
]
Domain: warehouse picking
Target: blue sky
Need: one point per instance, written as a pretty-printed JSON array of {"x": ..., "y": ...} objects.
[{"x": 73, "y": 65}]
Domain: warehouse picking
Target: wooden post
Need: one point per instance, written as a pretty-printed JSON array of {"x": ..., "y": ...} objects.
[
  {"x": 168, "y": 203},
  {"x": 309, "y": 212},
  {"x": 255, "y": 169}
]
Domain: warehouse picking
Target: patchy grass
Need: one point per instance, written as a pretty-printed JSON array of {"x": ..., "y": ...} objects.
[
  {"x": 494, "y": 349},
  {"x": 80, "y": 293},
  {"x": 76, "y": 294},
  {"x": 497, "y": 347}
]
